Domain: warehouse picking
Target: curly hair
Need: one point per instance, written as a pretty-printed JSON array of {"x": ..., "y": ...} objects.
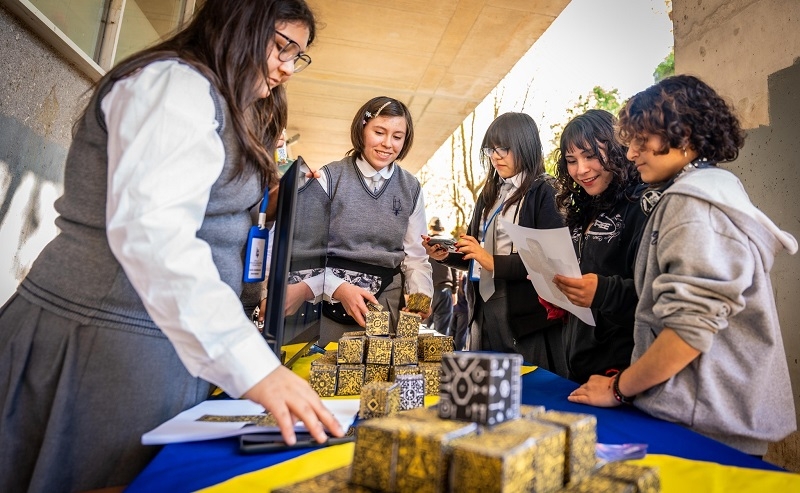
[
  {"x": 593, "y": 132},
  {"x": 685, "y": 112},
  {"x": 519, "y": 133}
]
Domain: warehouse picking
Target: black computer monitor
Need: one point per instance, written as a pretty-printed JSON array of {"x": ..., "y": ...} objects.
[{"x": 281, "y": 257}]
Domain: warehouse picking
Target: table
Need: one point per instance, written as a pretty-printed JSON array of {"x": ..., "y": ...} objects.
[{"x": 192, "y": 466}]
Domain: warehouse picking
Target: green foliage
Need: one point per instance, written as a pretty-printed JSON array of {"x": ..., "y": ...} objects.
[
  {"x": 665, "y": 68},
  {"x": 598, "y": 99}
]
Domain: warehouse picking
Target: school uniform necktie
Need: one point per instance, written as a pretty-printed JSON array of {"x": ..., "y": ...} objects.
[
  {"x": 376, "y": 178},
  {"x": 486, "y": 284}
]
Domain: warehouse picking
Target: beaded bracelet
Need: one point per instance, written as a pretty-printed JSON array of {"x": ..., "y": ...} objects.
[{"x": 622, "y": 399}]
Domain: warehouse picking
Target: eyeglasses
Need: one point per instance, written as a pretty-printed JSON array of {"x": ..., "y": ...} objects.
[
  {"x": 291, "y": 52},
  {"x": 501, "y": 151}
]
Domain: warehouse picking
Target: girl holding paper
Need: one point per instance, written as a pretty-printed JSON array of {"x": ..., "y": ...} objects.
[
  {"x": 598, "y": 194},
  {"x": 503, "y": 312}
]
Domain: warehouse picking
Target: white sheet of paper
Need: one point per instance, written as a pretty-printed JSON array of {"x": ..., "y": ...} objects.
[
  {"x": 545, "y": 253},
  {"x": 185, "y": 428}
]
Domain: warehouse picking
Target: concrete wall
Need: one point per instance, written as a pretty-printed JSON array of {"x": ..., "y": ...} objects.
[
  {"x": 40, "y": 95},
  {"x": 749, "y": 51}
]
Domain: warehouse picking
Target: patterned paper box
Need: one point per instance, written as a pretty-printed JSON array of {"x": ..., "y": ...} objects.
[
  {"x": 644, "y": 479},
  {"x": 405, "y": 351},
  {"x": 412, "y": 391},
  {"x": 493, "y": 462},
  {"x": 350, "y": 379},
  {"x": 481, "y": 387},
  {"x": 549, "y": 461},
  {"x": 375, "y": 455},
  {"x": 423, "y": 456},
  {"x": 408, "y": 325},
  {"x": 376, "y": 373},
  {"x": 395, "y": 371},
  {"x": 355, "y": 333},
  {"x": 418, "y": 302},
  {"x": 432, "y": 373},
  {"x": 377, "y": 323},
  {"x": 600, "y": 484},
  {"x": 374, "y": 307},
  {"x": 448, "y": 344},
  {"x": 430, "y": 348},
  {"x": 351, "y": 350},
  {"x": 335, "y": 481},
  {"x": 581, "y": 455},
  {"x": 379, "y": 399},
  {"x": 530, "y": 412},
  {"x": 327, "y": 358},
  {"x": 323, "y": 379},
  {"x": 379, "y": 350},
  {"x": 422, "y": 414}
]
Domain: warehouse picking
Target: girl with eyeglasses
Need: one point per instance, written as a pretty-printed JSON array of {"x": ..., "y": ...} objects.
[
  {"x": 598, "y": 193},
  {"x": 708, "y": 350},
  {"x": 504, "y": 313},
  {"x": 131, "y": 312}
]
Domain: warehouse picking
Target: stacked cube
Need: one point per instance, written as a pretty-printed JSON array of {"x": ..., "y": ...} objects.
[
  {"x": 480, "y": 438},
  {"x": 379, "y": 354}
]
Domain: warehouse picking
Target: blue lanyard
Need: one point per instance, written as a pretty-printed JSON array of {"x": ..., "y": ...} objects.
[
  {"x": 489, "y": 221},
  {"x": 262, "y": 211}
]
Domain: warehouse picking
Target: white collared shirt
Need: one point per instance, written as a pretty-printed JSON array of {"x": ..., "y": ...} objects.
[
  {"x": 164, "y": 155},
  {"x": 502, "y": 242}
]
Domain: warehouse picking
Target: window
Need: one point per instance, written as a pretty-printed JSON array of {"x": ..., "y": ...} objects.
[{"x": 96, "y": 34}]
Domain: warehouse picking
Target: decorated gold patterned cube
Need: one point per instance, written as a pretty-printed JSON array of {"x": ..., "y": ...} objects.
[
  {"x": 379, "y": 350},
  {"x": 374, "y": 307},
  {"x": 405, "y": 351},
  {"x": 644, "y": 479},
  {"x": 327, "y": 358},
  {"x": 581, "y": 454},
  {"x": 322, "y": 379},
  {"x": 432, "y": 374},
  {"x": 377, "y": 323},
  {"x": 376, "y": 373},
  {"x": 548, "y": 462},
  {"x": 335, "y": 481},
  {"x": 493, "y": 462},
  {"x": 421, "y": 414},
  {"x": 408, "y": 324},
  {"x": 600, "y": 484},
  {"x": 350, "y": 379},
  {"x": 423, "y": 455},
  {"x": 395, "y": 370},
  {"x": 351, "y": 350},
  {"x": 418, "y": 302},
  {"x": 431, "y": 348},
  {"x": 379, "y": 399},
  {"x": 375, "y": 455},
  {"x": 448, "y": 345},
  {"x": 355, "y": 333},
  {"x": 529, "y": 412}
]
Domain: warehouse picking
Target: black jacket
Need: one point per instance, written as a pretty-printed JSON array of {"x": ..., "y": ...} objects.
[
  {"x": 607, "y": 248},
  {"x": 526, "y": 315}
]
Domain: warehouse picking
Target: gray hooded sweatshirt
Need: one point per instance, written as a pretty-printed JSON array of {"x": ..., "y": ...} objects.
[{"x": 703, "y": 270}]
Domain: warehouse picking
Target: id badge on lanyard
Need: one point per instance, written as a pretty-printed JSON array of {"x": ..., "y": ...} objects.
[
  {"x": 255, "y": 257},
  {"x": 475, "y": 267}
]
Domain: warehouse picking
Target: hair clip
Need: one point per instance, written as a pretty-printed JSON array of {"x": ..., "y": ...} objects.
[{"x": 381, "y": 108}]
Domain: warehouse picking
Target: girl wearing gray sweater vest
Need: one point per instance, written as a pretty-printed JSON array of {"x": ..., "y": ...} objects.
[
  {"x": 376, "y": 218},
  {"x": 708, "y": 351},
  {"x": 134, "y": 307}
]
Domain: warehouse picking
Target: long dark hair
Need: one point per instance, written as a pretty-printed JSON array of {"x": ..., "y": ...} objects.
[
  {"x": 519, "y": 133},
  {"x": 684, "y": 111},
  {"x": 230, "y": 43},
  {"x": 379, "y": 106},
  {"x": 592, "y": 132}
]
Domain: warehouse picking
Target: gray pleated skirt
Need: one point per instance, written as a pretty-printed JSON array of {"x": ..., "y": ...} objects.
[{"x": 75, "y": 400}]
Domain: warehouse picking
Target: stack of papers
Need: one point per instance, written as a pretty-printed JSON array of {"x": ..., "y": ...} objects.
[{"x": 185, "y": 427}]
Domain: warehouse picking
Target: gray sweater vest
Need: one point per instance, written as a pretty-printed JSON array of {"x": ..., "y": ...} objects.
[
  {"x": 78, "y": 277},
  {"x": 368, "y": 227}
]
